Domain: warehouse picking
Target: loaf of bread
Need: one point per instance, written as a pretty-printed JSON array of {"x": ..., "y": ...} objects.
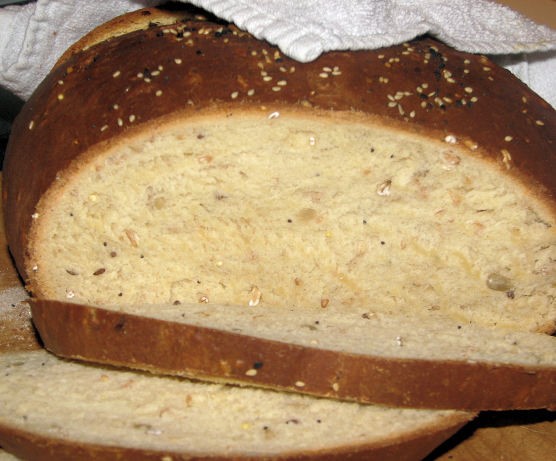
[{"x": 192, "y": 166}]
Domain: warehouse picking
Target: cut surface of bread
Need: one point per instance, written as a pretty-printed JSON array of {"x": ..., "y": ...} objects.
[
  {"x": 395, "y": 182},
  {"x": 109, "y": 412},
  {"x": 307, "y": 211}
]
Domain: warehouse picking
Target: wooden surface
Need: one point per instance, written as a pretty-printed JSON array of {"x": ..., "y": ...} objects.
[{"x": 493, "y": 436}]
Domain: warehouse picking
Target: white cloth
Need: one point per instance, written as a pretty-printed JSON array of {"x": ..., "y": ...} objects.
[{"x": 33, "y": 36}]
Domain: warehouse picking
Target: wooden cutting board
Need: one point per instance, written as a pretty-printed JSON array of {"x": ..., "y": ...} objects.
[{"x": 493, "y": 436}]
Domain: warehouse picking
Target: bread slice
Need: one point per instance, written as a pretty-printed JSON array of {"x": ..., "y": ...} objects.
[
  {"x": 359, "y": 356},
  {"x": 52, "y": 409},
  {"x": 191, "y": 163}
]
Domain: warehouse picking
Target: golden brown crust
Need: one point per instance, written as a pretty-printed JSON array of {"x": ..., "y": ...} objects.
[
  {"x": 159, "y": 346},
  {"x": 135, "y": 20},
  {"x": 35, "y": 447},
  {"x": 99, "y": 94}
]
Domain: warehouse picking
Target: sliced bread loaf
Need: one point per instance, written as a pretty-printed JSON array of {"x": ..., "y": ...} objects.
[{"x": 191, "y": 163}]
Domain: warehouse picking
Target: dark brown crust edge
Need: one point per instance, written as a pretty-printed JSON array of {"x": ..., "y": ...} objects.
[
  {"x": 35, "y": 447},
  {"x": 165, "y": 347}
]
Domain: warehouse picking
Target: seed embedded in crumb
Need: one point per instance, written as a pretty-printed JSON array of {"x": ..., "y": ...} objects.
[
  {"x": 203, "y": 299},
  {"x": 499, "y": 282},
  {"x": 255, "y": 296},
  {"x": 324, "y": 302},
  {"x": 132, "y": 237},
  {"x": 383, "y": 188},
  {"x": 100, "y": 271}
]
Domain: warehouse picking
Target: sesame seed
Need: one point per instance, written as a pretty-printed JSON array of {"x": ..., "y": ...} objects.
[
  {"x": 132, "y": 118},
  {"x": 474, "y": 99},
  {"x": 412, "y": 114},
  {"x": 60, "y": 82},
  {"x": 486, "y": 68},
  {"x": 35, "y": 268},
  {"x": 116, "y": 74},
  {"x": 450, "y": 139},
  {"x": 69, "y": 294},
  {"x": 335, "y": 387},
  {"x": 274, "y": 115},
  {"x": 276, "y": 88},
  {"x": 468, "y": 89},
  {"x": 154, "y": 73},
  {"x": 147, "y": 80},
  {"x": 115, "y": 107},
  {"x": 282, "y": 83},
  {"x": 539, "y": 122},
  {"x": 103, "y": 127},
  {"x": 234, "y": 95},
  {"x": 254, "y": 53},
  {"x": 178, "y": 61},
  {"x": 31, "y": 124},
  {"x": 327, "y": 69},
  {"x": 251, "y": 372},
  {"x": 466, "y": 71},
  {"x": 60, "y": 96},
  {"x": 251, "y": 92},
  {"x": 140, "y": 75},
  {"x": 120, "y": 122},
  {"x": 508, "y": 138},
  {"x": 158, "y": 93},
  {"x": 299, "y": 384},
  {"x": 506, "y": 158},
  {"x": 267, "y": 78},
  {"x": 323, "y": 75},
  {"x": 35, "y": 216}
]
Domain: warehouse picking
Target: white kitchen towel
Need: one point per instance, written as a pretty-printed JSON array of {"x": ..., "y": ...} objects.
[{"x": 33, "y": 36}]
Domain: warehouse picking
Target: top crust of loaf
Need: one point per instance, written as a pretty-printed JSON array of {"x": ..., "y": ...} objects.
[{"x": 148, "y": 74}]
